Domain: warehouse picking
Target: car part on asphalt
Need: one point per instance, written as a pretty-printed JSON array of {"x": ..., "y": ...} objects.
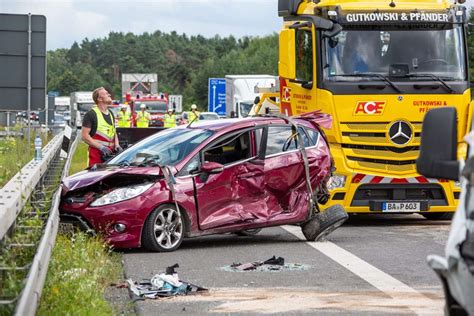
[
  {"x": 274, "y": 264},
  {"x": 273, "y": 261},
  {"x": 162, "y": 285}
]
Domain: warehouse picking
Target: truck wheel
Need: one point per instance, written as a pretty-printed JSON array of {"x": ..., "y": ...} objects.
[
  {"x": 438, "y": 216},
  {"x": 248, "y": 232},
  {"x": 163, "y": 230},
  {"x": 322, "y": 224}
]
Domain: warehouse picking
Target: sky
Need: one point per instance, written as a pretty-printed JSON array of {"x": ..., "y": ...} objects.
[{"x": 73, "y": 20}]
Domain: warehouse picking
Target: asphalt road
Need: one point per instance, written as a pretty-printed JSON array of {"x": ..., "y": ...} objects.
[{"x": 370, "y": 266}]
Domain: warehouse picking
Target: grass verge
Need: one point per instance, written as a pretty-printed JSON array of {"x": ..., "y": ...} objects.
[
  {"x": 80, "y": 270},
  {"x": 15, "y": 152},
  {"x": 79, "y": 161}
]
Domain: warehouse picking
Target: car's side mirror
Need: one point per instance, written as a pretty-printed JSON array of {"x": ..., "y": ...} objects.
[
  {"x": 438, "y": 150},
  {"x": 212, "y": 167}
]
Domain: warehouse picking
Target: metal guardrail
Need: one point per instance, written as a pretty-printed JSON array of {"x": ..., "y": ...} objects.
[
  {"x": 28, "y": 187},
  {"x": 14, "y": 194},
  {"x": 31, "y": 294}
]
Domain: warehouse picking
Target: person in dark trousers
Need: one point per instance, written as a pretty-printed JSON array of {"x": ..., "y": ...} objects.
[{"x": 98, "y": 129}]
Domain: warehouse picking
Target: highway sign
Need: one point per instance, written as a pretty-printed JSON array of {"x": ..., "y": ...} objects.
[
  {"x": 22, "y": 62},
  {"x": 216, "y": 96},
  {"x": 53, "y": 93}
]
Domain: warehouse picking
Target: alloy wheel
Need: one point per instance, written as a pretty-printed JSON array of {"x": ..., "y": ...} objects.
[{"x": 168, "y": 228}]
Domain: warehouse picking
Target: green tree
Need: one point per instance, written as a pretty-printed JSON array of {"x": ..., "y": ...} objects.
[{"x": 183, "y": 63}]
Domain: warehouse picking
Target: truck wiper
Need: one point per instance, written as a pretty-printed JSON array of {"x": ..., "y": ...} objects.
[
  {"x": 372, "y": 75},
  {"x": 432, "y": 76}
]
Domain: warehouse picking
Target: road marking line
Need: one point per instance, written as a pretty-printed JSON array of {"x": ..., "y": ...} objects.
[{"x": 374, "y": 276}]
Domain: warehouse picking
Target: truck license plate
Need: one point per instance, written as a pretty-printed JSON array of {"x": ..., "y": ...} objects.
[{"x": 400, "y": 207}]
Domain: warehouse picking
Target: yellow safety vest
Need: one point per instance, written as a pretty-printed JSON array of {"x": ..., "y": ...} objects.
[
  {"x": 169, "y": 120},
  {"x": 193, "y": 116},
  {"x": 143, "y": 119},
  {"x": 104, "y": 129},
  {"x": 123, "y": 119}
]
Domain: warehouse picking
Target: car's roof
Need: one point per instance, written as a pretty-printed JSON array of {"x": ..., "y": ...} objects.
[
  {"x": 306, "y": 119},
  {"x": 216, "y": 125}
]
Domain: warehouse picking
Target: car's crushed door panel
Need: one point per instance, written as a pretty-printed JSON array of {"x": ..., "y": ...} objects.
[{"x": 229, "y": 197}]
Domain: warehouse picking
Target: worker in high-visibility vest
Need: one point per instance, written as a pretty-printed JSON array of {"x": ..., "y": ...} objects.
[
  {"x": 169, "y": 119},
  {"x": 143, "y": 117},
  {"x": 98, "y": 129},
  {"x": 124, "y": 117},
  {"x": 193, "y": 116}
]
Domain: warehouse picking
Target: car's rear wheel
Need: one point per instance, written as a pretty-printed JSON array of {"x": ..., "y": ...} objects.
[
  {"x": 163, "y": 230},
  {"x": 322, "y": 224},
  {"x": 438, "y": 216},
  {"x": 249, "y": 232}
]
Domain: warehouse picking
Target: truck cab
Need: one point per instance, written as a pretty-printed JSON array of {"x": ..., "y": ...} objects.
[
  {"x": 81, "y": 103},
  {"x": 377, "y": 67},
  {"x": 241, "y": 91}
]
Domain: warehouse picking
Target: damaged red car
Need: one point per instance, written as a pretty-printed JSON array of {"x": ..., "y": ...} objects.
[{"x": 213, "y": 177}]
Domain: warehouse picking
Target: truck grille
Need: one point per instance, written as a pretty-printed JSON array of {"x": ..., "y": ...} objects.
[
  {"x": 391, "y": 192},
  {"x": 367, "y": 146}
]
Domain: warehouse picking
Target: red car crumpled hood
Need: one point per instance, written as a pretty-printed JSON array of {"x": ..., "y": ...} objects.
[{"x": 89, "y": 177}]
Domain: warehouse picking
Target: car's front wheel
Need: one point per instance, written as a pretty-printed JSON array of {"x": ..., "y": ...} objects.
[
  {"x": 322, "y": 224},
  {"x": 163, "y": 230}
]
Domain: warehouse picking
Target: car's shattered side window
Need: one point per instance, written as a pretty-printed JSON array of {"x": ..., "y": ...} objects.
[
  {"x": 313, "y": 135},
  {"x": 192, "y": 165},
  {"x": 230, "y": 149},
  {"x": 282, "y": 139}
]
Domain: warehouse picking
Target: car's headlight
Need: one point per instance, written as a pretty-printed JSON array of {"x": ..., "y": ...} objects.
[
  {"x": 336, "y": 182},
  {"x": 121, "y": 194}
]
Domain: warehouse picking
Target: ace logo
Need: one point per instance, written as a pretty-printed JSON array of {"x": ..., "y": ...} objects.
[{"x": 370, "y": 108}]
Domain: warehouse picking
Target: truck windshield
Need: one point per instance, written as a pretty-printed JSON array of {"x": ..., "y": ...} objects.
[
  {"x": 395, "y": 52},
  {"x": 84, "y": 107},
  {"x": 155, "y": 106}
]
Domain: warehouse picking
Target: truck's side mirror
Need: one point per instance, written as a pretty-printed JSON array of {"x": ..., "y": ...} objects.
[
  {"x": 287, "y": 63},
  {"x": 438, "y": 151}
]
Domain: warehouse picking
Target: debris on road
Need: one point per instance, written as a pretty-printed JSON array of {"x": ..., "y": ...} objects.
[
  {"x": 273, "y": 264},
  {"x": 162, "y": 285}
]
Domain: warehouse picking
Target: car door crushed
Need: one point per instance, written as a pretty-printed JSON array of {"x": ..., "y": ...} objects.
[{"x": 263, "y": 183}]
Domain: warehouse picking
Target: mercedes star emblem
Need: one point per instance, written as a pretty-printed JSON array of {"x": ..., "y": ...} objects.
[{"x": 400, "y": 133}]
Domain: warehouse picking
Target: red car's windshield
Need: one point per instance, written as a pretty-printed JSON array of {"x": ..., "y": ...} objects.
[{"x": 168, "y": 147}]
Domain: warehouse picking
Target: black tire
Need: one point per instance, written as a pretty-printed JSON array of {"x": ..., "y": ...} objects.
[
  {"x": 324, "y": 223},
  {"x": 249, "y": 232},
  {"x": 164, "y": 229},
  {"x": 438, "y": 216}
]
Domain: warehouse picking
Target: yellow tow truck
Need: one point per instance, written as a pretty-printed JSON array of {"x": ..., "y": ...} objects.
[{"x": 377, "y": 67}]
